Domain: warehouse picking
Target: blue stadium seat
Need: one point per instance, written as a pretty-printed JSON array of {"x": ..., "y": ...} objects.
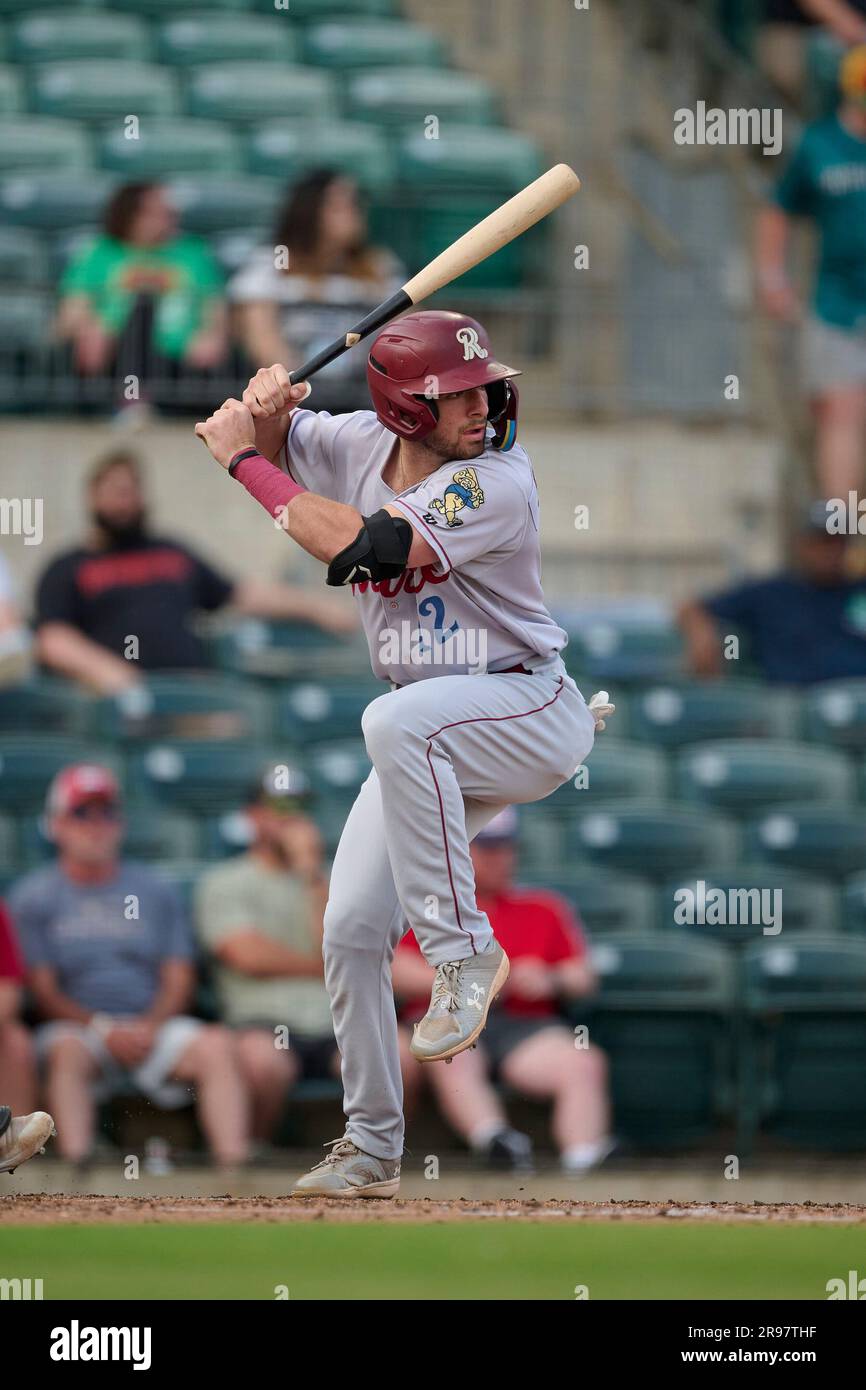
[
  {"x": 835, "y": 712},
  {"x": 310, "y": 11},
  {"x": 291, "y": 649},
  {"x": 469, "y": 157},
  {"x": 741, "y": 775},
  {"x": 653, "y": 841},
  {"x": 245, "y": 92},
  {"x": 10, "y": 855},
  {"x": 826, "y": 840},
  {"x": 690, "y": 711}
]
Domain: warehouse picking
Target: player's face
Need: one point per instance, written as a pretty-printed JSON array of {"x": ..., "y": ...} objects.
[
  {"x": 460, "y": 431},
  {"x": 91, "y": 834}
]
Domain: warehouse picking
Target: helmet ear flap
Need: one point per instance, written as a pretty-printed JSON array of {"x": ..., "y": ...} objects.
[
  {"x": 497, "y": 400},
  {"x": 505, "y": 421}
]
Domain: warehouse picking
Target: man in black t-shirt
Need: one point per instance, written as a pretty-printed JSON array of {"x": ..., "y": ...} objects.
[{"x": 123, "y": 602}]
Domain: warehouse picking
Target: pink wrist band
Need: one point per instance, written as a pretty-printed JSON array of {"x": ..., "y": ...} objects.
[{"x": 267, "y": 484}]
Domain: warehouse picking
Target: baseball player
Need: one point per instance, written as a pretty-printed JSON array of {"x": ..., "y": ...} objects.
[
  {"x": 428, "y": 508},
  {"x": 21, "y": 1136}
]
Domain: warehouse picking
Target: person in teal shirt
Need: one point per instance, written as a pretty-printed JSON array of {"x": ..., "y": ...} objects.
[
  {"x": 143, "y": 298},
  {"x": 825, "y": 182}
]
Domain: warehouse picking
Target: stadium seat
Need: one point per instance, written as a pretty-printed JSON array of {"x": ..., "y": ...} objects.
[
  {"x": 406, "y": 96},
  {"x": 42, "y": 705},
  {"x": 606, "y": 903},
  {"x": 608, "y": 651},
  {"x": 319, "y": 711},
  {"x": 213, "y": 204},
  {"x": 742, "y": 775},
  {"x": 825, "y": 840},
  {"x": 217, "y": 38},
  {"x": 654, "y": 841},
  {"x": 804, "y": 1049},
  {"x": 28, "y": 763},
  {"x": 309, "y": 11},
  {"x": 33, "y": 144},
  {"x": 688, "y": 712},
  {"x": 158, "y": 9},
  {"x": 10, "y": 91},
  {"x": 854, "y": 904},
  {"x": 25, "y": 320},
  {"x": 259, "y": 648},
  {"x": 367, "y": 43},
  {"x": 167, "y": 147},
  {"x": 337, "y": 769},
  {"x": 662, "y": 1017},
  {"x": 803, "y": 904},
  {"x": 200, "y": 777},
  {"x": 69, "y": 33},
  {"x": 835, "y": 712},
  {"x": 259, "y": 91},
  {"x": 230, "y": 832},
  {"x": 23, "y": 261},
  {"x": 53, "y": 201},
  {"x": 92, "y": 91},
  {"x": 213, "y": 707},
  {"x": 469, "y": 157},
  {"x": 613, "y": 770},
  {"x": 286, "y": 149}
]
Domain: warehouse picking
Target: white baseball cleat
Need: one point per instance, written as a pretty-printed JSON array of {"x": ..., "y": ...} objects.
[
  {"x": 349, "y": 1172},
  {"x": 22, "y": 1137},
  {"x": 463, "y": 991}
]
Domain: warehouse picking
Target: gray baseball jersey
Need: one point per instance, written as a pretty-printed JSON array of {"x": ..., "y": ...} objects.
[{"x": 480, "y": 607}]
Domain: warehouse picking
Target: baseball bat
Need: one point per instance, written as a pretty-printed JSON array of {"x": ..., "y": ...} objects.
[{"x": 493, "y": 232}]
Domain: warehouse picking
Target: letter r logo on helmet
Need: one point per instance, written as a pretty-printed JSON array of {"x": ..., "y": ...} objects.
[{"x": 468, "y": 337}]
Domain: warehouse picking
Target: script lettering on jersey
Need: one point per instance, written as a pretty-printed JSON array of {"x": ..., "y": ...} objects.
[{"x": 412, "y": 581}]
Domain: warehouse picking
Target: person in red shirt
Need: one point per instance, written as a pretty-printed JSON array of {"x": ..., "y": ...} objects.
[
  {"x": 17, "y": 1056},
  {"x": 527, "y": 1044}
]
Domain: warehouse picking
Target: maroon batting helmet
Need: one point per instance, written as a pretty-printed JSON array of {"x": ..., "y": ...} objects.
[{"x": 427, "y": 355}]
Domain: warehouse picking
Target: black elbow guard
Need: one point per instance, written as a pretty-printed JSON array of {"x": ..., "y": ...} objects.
[{"x": 379, "y": 551}]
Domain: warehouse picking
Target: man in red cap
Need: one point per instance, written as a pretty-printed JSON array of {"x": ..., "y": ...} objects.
[
  {"x": 111, "y": 970},
  {"x": 428, "y": 507}
]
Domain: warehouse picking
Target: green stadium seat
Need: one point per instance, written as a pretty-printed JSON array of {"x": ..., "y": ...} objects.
[
  {"x": 854, "y": 904},
  {"x": 28, "y": 763},
  {"x": 213, "y": 204},
  {"x": 825, "y": 840},
  {"x": 405, "y": 97},
  {"x": 337, "y": 769},
  {"x": 10, "y": 91},
  {"x": 26, "y": 317},
  {"x": 64, "y": 33},
  {"x": 150, "y": 836},
  {"x": 655, "y": 841},
  {"x": 310, "y": 11},
  {"x": 469, "y": 157},
  {"x": 285, "y": 150},
  {"x": 168, "y": 147},
  {"x": 33, "y": 144},
  {"x": 662, "y": 1017},
  {"x": 804, "y": 1050},
  {"x": 618, "y": 769},
  {"x": 259, "y": 91},
  {"x": 741, "y": 775},
  {"x": 228, "y": 833},
  {"x": 802, "y": 904},
  {"x": 200, "y": 777},
  {"x": 688, "y": 712},
  {"x": 217, "y": 38},
  {"x": 53, "y": 201},
  {"x": 212, "y": 707},
  {"x": 159, "y": 9},
  {"x": 43, "y": 705},
  {"x": 369, "y": 43},
  {"x": 91, "y": 91},
  {"x": 612, "y": 651},
  {"x": 259, "y": 648},
  {"x": 606, "y": 903},
  {"x": 835, "y": 712},
  {"x": 23, "y": 261},
  {"x": 317, "y": 711}
]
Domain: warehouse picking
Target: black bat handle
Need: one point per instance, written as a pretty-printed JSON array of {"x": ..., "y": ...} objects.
[{"x": 376, "y": 319}]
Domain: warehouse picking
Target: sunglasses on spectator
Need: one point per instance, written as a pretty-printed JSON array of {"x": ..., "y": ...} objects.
[{"x": 96, "y": 810}]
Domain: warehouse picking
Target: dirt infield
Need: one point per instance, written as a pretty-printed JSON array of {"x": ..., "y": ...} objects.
[{"x": 42, "y": 1210}]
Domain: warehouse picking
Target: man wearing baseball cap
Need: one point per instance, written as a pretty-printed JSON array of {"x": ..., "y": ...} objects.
[
  {"x": 110, "y": 958},
  {"x": 259, "y": 916},
  {"x": 528, "y": 1044}
]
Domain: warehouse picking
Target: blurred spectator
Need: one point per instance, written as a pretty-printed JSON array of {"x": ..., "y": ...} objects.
[
  {"x": 14, "y": 637},
  {"x": 804, "y": 625},
  {"x": 297, "y": 296},
  {"x": 826, "y": 183},
  {"x": 125, "y": 582},
  {"x": 111, "y": 968},
  {"x": 17, "y": 1058},
  {"x": 143, "y": 299},
  {"x": 786, "y": 24},
  {"x": 260, "y": 917},
  {"x": 527, "y": 1043}
]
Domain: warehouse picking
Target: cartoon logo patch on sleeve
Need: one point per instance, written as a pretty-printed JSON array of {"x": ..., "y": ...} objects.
[{"x": 464, "y": 491}]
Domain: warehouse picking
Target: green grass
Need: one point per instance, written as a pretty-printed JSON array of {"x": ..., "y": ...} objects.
[{"x": 455, "y": 1260}]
